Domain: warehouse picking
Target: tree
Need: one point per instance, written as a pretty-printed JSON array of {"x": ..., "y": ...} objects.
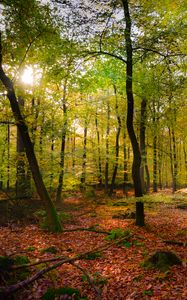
[
  {"x": 52, "y": 218},
  {"x": 130, "y": 109}
]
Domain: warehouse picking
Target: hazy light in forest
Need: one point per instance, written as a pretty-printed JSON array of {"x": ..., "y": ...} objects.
[{"x": 27, "y": 76}]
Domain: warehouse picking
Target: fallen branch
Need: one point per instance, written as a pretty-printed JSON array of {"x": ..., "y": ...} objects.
[
  {"x": 171, "y": 242},
  {"x": 87, "y": 229},
  {"x": 15, "y": 287},
  {"x": 90, "y": 280}
]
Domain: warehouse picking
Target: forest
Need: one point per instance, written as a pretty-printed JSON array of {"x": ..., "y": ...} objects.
[{"x": 93, "y": 149}]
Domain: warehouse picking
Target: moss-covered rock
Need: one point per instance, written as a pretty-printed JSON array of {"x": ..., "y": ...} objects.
[{"x": 162, "y": 260}]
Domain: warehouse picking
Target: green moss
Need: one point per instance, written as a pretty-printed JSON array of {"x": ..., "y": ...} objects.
[
  {"x": 162, "y": 260},
  {"x": 93, "y": 255},
  {"x": 10, "y": 275},
  {"x": 51, "y": 249},
  {"x": 51, "y": 293},
  {"x": 148, "y": 292},
  {"x": 21, "y": 260},
  {"x": 30, "y": 248},
  {"x": 118, "y": 233},
  {"x": 97, "y": 278},
  {"x": 6, "y": 263},
  {"x": 63, "y": 216},
  {"x": 54, "y": 225}
]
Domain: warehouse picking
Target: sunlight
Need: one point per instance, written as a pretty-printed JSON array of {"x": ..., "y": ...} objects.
[{"x": 27, "y": 76}]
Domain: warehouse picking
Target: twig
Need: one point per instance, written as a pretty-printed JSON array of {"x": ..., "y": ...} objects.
[
  {"x": 86, "y": 229},
  {"x": 171, "y": 242},
  {"x": 90, "y": 280}
]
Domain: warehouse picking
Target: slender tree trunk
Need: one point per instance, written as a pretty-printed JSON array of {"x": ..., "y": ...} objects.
[
  {"x": 41, "y": 139},
  {"x": 175, "y": 164},
  {"x": 116, "y": 146},
  {"x": 143, "y": 118},
  {"x": 35, "y": 112},
  {"x": 99, "y": 151},
  {"x": 52, "y": 153},
  {"x": 171, "y": 156},
  {"x": 8, "y": 157},
  {"x": 160, "y": 155},
  {"x": 52, "y": 218},
  {"x": 125, "y": 165},
  {"x": 21, "y": 184},
  {"x": 155, "y": 185},
  {"x": 83, "y": 175},
  {"x": 173, "y": 159},
  {"x": 107, "y": 147},
  {"x": 73, "y": 151},
  {"x": 185, "y": 158},
  {"x": 130, "y": 111},
  {"x": 63, "y": 144},
  {"x": 155, "y": 179}
]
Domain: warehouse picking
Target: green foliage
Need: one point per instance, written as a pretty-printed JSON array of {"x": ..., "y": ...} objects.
[
  {"x": 97, "y": 278},
  {"x": 51, "y": 249},
  {"x": 94, "y": 255},
  {"x": 10, "y": 275},
  {"x": 21, "y": 260},
  {"x": 148, "y": 292},
  {"x": 30, "y": 248},
  {"x": 73, "y": 294},
  {"x": 89, "y": 192},
  {"x": 138, "y": 278},
  {"x": 138, "y": 244},
  {"x": 64, "y": 216},
  {"x": 118, "y": 233}
]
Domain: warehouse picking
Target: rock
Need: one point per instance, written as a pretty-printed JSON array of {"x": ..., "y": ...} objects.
[{"x": 163, "y": 260}]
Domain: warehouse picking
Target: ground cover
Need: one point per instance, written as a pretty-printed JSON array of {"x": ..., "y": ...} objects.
[{"x": 117, "y": 270}]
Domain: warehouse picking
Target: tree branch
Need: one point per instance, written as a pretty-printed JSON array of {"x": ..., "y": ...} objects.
[{"x": 98, "y": 53}]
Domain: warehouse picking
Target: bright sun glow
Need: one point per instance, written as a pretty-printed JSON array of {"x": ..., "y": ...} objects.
[{"x": 27, "y": 76}]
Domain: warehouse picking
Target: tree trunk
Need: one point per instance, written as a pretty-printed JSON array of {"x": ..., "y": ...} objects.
[
  {"x": 63, "y": 144},
  {"x": 143, "y": 118},
  {"x": 185, "y": 158},
  {"x": 99, "y": 151},
  {"x": 52, "y": 218},
  {"x": 107, "y": 147},
  {"x": 21, "y": 180},
  {"x": 130, "y": 111},
  {"x": 175, "y": 164},
  {"x": 8, "y": 158},
  {"x": 155, "y": 183},
  {"x": 160, "y": 155},
  {"x": 52, "y": 153},
  {"x": 125, "y": 165},
  {"x": 83, "y": 175},
  {"x": 116, "y": 146}
]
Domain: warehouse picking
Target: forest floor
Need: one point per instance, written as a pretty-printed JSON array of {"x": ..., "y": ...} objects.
[{"x": 118, "y": 269}]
